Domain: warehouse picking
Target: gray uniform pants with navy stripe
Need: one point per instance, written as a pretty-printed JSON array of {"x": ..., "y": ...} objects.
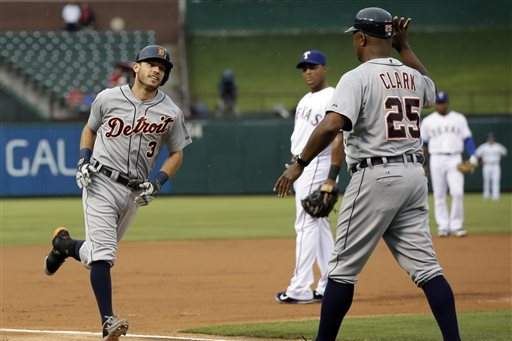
[
  {"x": 109, "y": 209},
  {"x": 388, "y": 202}
]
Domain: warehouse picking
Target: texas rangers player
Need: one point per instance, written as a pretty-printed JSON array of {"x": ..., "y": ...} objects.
[
  {"x": 127, "y": 128},
  {"x": 378, "y": 106},
  {"x": 314, "y": 238},
  {"x": 445, "y": 134},
  {"x": 491, "y": 153}
]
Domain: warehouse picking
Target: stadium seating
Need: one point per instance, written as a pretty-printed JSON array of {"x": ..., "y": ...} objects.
[{"x": 62, "y": 61}]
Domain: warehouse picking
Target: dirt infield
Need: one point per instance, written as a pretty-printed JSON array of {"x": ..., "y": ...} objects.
[{"x": 163, "y": 287}]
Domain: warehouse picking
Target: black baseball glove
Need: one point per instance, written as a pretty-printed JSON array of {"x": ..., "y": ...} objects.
[{"x": 321, "y": 201}]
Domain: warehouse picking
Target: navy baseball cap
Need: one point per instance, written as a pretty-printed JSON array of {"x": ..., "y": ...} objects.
[
  {"x": 442, "y": 97},
  {"x": 312, "y": 57}
]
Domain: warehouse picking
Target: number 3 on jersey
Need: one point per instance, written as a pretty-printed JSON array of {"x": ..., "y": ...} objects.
[
  {"x": 398, "y": 125},
  {"x": 152, "y": 146}
]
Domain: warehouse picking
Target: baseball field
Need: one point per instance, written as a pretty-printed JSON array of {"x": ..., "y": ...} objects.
[{"x": 193, "y": 268}]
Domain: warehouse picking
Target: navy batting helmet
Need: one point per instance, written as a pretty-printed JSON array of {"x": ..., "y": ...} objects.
[
  {"x": 373, "y": 21},
  {"x": 156, "y": 52}
]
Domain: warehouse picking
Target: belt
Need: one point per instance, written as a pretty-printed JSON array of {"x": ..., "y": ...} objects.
[
  {"x": 117, "y": 176},
  {"x": 390, "y": 159}
]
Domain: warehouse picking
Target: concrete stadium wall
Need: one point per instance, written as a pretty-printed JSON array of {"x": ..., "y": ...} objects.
[{"x": 226, "y": 157}]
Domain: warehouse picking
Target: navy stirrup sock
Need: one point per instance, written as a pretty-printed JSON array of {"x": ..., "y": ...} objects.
[
  {"x": 102, "y": 287},
  {"x": 335, "y": 305},
  {"x": 442, "y": 303},
  {"x": 76, "y": 250}
]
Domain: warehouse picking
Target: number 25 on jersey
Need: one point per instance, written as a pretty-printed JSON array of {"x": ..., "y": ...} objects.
[{"x": 402, "y": 119}]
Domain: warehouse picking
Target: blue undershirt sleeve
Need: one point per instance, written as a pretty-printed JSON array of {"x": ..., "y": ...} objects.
[{"x": 470, "y": 145}]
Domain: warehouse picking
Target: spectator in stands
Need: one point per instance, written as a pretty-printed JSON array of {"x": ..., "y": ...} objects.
[
  {"x": 121, "y": 75},
  {"x": 199, "y": 110},
  {"x": 226, "y": 107},
  {"x": 88, "y": 99},
  {"x": 117, "y": 77},
  {"x": 87, "y": 19},
  {"x": 75, "y": 99},
  {"x": 71, "y": 14}
]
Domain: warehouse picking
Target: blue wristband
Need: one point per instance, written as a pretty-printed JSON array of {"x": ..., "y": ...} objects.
[
  {"x": 161, "y": 177},
  {"x": 85, "y": 153}
]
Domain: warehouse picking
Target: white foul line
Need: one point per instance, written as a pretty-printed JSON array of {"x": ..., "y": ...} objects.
[{"x": 70, "y": 332}]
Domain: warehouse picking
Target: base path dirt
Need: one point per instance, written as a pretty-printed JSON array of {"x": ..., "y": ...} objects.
[{"x": 164, "y": 287}]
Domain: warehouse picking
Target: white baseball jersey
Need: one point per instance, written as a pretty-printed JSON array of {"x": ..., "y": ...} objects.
[
  {"x": 491, "y": 153},
  {"x": 445, "y": 134},
  {"x": 310, "y": 111},
  {"x": 384, "y": 108},
  {"x": 314, "y": 240}
]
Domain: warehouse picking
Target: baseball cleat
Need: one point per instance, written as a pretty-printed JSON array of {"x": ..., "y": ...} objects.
[
  {"x": 56, "y": 258},
  {"x": 317, "y": 297},
  {"x": 114, "y": 328},
  {"x": 281, "y": 297},
  {"x": 443, "y": 233},
  {"x": 460, "y": 233}
]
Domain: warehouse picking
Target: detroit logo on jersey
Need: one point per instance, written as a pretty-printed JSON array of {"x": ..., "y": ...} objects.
[{"x": 118, "y": 126}]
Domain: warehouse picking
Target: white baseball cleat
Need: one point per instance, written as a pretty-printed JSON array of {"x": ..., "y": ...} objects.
[
  {"x": 281, "y": 297},
  {"x": 442, "y": 233},
  {"x": 460, "y": 233}
]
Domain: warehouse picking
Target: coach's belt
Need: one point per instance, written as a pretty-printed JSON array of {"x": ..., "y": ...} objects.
[
  {"x": 117, "y": 176},
  {"x": 387, "y": 159}
]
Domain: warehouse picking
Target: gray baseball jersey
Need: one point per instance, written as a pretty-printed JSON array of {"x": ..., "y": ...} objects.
[
  {"x": 129, "y": 137},
  {"x": 382, "y": 100},
  {"x": 131, "y": 133},
  {"x": 384, "y": 107}
]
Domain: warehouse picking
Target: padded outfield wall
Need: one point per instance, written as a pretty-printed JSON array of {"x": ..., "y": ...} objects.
[
  {"x": 226, "y": 157},
  {"x": 249, "y": 16}
]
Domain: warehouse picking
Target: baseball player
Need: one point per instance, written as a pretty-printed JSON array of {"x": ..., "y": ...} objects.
[
  {"x": 126, "y": 131},
  {"x": 378, "y": 105},
  {"x": 491, "y": 153},
  {"x": 445, "y": 133},
  {"x": 314, "y": 237}
]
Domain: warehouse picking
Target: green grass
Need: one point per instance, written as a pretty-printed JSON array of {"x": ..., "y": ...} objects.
[
  {"x": 31, "y": 221},
  {"x": 483, "y": 216},
  {"x": 26, "y": 222},
  {"x": 460, "y": 62},
  {"x": 477, "y": 326}
]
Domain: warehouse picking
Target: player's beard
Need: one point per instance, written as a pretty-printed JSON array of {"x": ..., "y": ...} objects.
[{"x": 148, "y": 85}]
